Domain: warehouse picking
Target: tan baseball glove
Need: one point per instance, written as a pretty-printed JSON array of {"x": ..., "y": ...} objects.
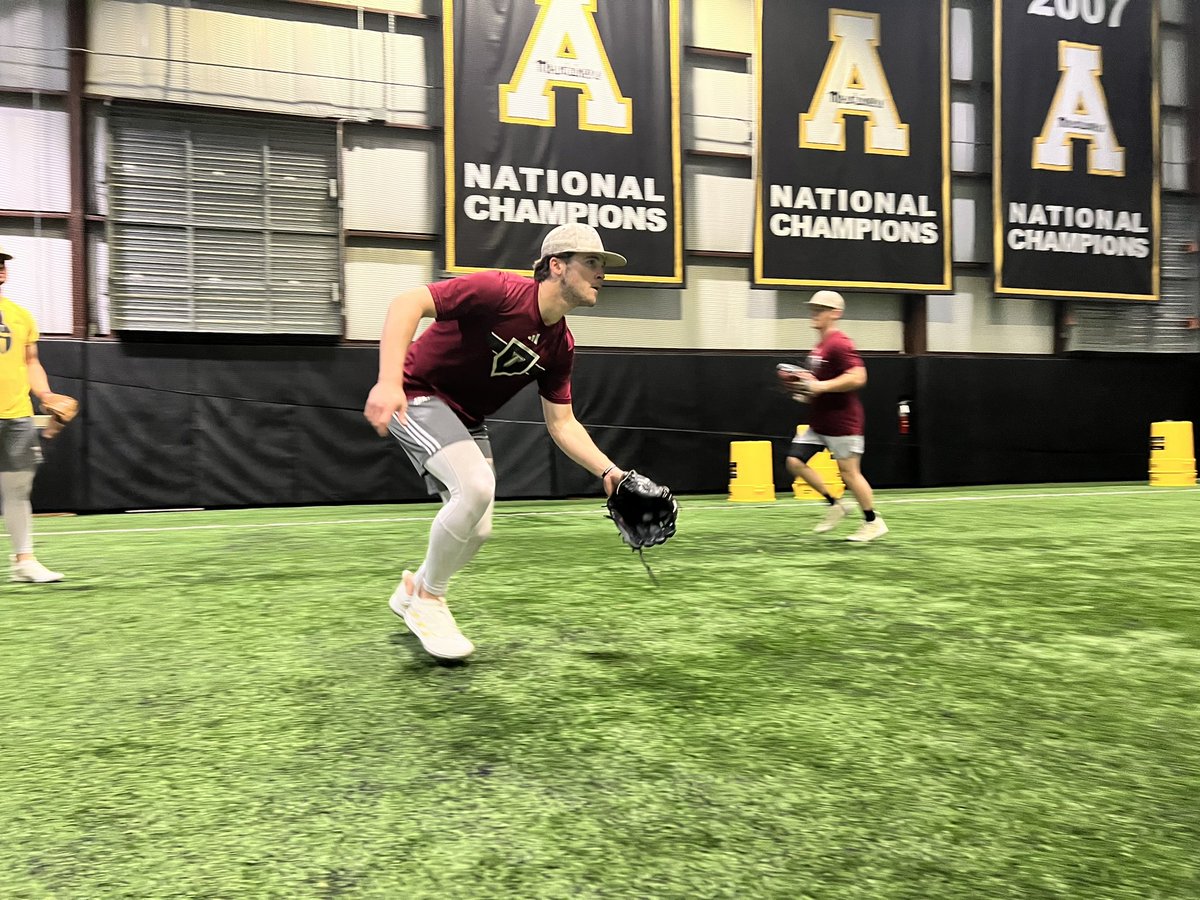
[{"x": 62, "y": 410}]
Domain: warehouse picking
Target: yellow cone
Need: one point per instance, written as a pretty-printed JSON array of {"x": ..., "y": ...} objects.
[
  {"x": 825, "y": 466},
  {"x": 750, "y": 477},
  {"x": 1172, "y": 458}
]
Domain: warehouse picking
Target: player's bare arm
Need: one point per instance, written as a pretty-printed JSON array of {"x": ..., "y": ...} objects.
[
  {"x": 850, "y": 380},
  {"x": 572, "y": 438},
  {"x": 61, "y": 408},
  {"x": 39, "y": 382},
  {"x": 387, "y": 396}
]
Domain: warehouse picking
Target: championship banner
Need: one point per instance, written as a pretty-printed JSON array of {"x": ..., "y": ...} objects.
[
  {"x": 563, "y": 111},
  {"x": 853, "y": 183},
  {"x": 1076, "y": 174}
]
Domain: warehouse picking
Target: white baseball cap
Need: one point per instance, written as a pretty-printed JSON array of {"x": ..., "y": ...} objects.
[
  {"x": 830, "y": 299},
  {"x": 578, "y": 237}
]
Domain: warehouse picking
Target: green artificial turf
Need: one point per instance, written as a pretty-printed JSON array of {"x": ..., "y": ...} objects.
[{"x": 1000, "y": 699}]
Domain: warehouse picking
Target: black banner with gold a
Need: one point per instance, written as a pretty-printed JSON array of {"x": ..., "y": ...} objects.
[
  {"x": 853, "y": 185},
  {"x": 1076, "y": 178},
  {"x": 563, "y": 111}
]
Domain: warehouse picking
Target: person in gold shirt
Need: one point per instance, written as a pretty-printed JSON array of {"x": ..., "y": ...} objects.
[{"x": 21, "y": 373}]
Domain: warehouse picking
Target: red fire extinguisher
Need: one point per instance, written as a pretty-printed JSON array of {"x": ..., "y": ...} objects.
[{"x": 905, "y": 412}]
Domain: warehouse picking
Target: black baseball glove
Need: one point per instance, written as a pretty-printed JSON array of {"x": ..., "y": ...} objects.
[{"x": 645, "y": 512}]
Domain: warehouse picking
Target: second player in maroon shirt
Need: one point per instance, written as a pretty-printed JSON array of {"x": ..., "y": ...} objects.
[
  {"x": 835, "y": 374},
  {"x": 841, "y": 413}
]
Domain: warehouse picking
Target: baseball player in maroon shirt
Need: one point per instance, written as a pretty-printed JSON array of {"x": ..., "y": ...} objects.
[
  {"x": 493, "y": 333},
  {"x": 834, "y": 373}
]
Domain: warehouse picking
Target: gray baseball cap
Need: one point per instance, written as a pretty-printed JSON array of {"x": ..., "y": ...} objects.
[
  {"x": 578, "y": 237},
  {"x": 830, "y": 299}
]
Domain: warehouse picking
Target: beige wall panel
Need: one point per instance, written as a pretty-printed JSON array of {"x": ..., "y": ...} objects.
[
  {"x": 98, "y": 282},
  {"x": 1175, "y": 11},
  {"x": 33, "y": 41},
  {"x": 721, "y": 308},
  {"x": 962, "y": 47},
  {"x": 389, "y": 183},
  {"x": 39, "y": 277},
  {"x": 1174, "y": 78},
  {"x": 128, "y": 43},
  {"x": 1174, "y": 151},
  {"x": 250, "y": 62},
  {"x": 632, "y": 317},
  {"x": 720, "y": 110},
  {"x": 971, "y": 218},
  {"x": 34, "y": 165},
  {"x": 97, "y": 125},
  {"x": 779, "y": 320},
  {"x": 719, "y": 213},
  {"x": 950, "y": 319},
  {"x": 874, "y": 321},
  {"x": 417, "y": 7},
  {"x": 719, "y": 311},
  {"x": 374, "y": 275},
  {"x": 963, "y": 143},
  {"x": 974, "y": 321},
  {"x": 963, "y": 217},
  {"x": 723, "y": 25}
]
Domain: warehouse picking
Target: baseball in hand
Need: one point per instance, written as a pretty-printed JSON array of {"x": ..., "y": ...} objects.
[{"x": 795, "y": 380}]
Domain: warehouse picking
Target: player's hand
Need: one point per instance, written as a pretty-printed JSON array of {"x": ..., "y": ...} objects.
[
  {"x": 812, "y": 385},
  {"x": 612, "y": 479},
  {"x": 385, "y": 401}
]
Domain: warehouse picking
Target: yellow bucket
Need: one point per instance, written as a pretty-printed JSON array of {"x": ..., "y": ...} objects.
[
  {"x": 825, "y": 466},
  {"x": 750, "y": 477},
  {"x": 1172, "y": 457}
]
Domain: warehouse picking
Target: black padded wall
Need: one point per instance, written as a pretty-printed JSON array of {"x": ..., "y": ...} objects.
[
  {"x": 62, "y": 481},
  {"x": 1025, "y": 420},
  {"x": 181, "y": 425}
]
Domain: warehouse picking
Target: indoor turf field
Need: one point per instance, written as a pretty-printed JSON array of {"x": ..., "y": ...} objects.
[{"x": 999, "y": 699}]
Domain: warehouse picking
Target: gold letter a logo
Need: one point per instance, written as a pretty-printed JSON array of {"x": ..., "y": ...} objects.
[
  {"x": 1079, "y": 111},
  {"x": 564, "y": 50},
  {"x": 854, "y": 84}
]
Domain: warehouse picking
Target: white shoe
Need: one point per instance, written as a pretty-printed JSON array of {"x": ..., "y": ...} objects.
[
  {"x": 868, "y": 531},
  {"x": 431, "y": 621},
  {"x": 833, "y": 516},
  {"x": 32, "y": 571}
]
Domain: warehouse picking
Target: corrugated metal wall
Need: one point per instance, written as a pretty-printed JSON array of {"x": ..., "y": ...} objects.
[{"x": 222, "y": 223}]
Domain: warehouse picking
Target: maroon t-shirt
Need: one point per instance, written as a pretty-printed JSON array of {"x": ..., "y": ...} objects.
[
  {"x": 835, "y": 414},
  {"x": 487, "y": 343}
]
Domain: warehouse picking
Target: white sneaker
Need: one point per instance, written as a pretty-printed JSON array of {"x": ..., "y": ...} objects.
[
  {"x": 868, "y": 531},
  {"x": 32, "y": 571},
  {"x": 833, "y": 516},
  {"x": 431, "y": 621}
]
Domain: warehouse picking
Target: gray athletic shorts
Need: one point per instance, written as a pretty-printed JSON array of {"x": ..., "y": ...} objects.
[
  {"x": 20, "y": 449},
  {"x": 839, "y": 447},
  {"x": 431, "y": 426}
]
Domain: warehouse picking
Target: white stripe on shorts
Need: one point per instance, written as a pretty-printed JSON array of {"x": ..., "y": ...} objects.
[{"x": 420, "y": 436}]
